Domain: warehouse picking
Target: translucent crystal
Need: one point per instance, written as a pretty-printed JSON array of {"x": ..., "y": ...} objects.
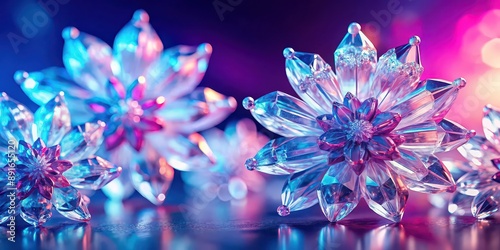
[
  {"x": 438, "y": 178},
  {"x": 486, "y": 203},
  {"x": 53, "y": 120},
  {"x": 414, "y": 108},
  {"x": 460, "y": 204},
  {"x": 421, "y": 137},
  {"x": 92, "y": 173},
  {"x": 454, "y": 135},
  {"x": 36, "y": 209},
  {"x": 479, "y": 151},
  {"x": 16, "y": 120},
  {"x": 70, "y": 203},
  {"x": 82, "y": 141},
  {"x": 491, "y": 124},
  {"x": 473, "y": 182},
  {"x": 444, "y": 93}
]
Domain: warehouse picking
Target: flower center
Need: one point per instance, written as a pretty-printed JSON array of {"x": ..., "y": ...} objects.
[
  {"x": 130, "y": 110},
  {"x": 359, "y": 131}
]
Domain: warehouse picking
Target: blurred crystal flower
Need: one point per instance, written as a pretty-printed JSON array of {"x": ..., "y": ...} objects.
[
  {"x": 146, "y": 96},
  {"x": 369, "y": 130},
  {"x": 231, "y": 147},
  {"x": 478, "y": 190},
  {"x": 52, "y": 161}
]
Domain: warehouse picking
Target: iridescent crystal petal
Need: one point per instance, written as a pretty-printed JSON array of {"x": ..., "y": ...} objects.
[
  {"x": 92, "y": 173},
  {"x": 414, "y": 107},
  {"x": 421, "y": 137},
  {"x": 397, "y": 74},
  {"x": 385, "y": 122},
  {"x": 339, "y": 192},
  {"x": 87, "y": 59},
  {"x": 438, "y": 178},
  {"x": 200, "y": 110},
  {"x": 115, "y": 89},
  {"x": 151, "y": 175},
  {"x": 332, "y": 139},
  {"x": 285, "y": 115},
  {"x": 35, "y": 209},
  {"x": 299, "y": 191},
  {"x": 355, "y": 61},
  {"x": 16, "y": 121},
  {"x": 82, "y": 141},
  {"x": 460, "y": 204},
  {"x": 352, "y": 102},
  {"x": 327, "y": 122},
  {"x": 383, "y": 190},
  {"x": 137, "y": 89},
  {"x": 486, "y": 203},
  {"x": 453, "y": 134},
  {"x": 473, "y": 182},
  {"x": 491, "y": 124},
  {"x": 178, "y": 71},
  {"x": 355, "y": 155},
  {"x": 479, "y": 151},
  {"x": 287, "y": 155},
  {"x": 383, "y": 148},
  {"x": 53, "y": 120},
  {"x": 368, "y": 109},
  {"x": 409, "y": 165},
  {"x": 70, "y": 203},
  {"x": 136, "y": 46},
  {"x": 444, "y": 93},
  {"x": 313, "y": 79},
  {"x": 341, "y": 113}
]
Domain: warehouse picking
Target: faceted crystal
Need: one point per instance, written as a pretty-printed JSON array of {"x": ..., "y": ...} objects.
[
  {"x": 454, "y": 135},
  {"x": 460, "y": 204},
  {"x": 16, "y": 121},
  {"x": 70, "y": 203},
  {"x": 444, "y": 93},
  {"x": 53, "y": 120},
  {"x": 414, "y": 107},
  {"x": 486, "y": 203},
  {"x": 92, "y": 173},
  {"x": 479, "y": 151},
  {"x": 82, "y": 141},
  {"x": 35, "y": 209},
  {"x": 473, "y": 182},
  {"x": 339, "y": 192},
  {"x": 438, "y": 178},
  {"x": 421, "y": 137},
  {"x": 491, "y": 124},
  {"x": 409, "y": 165}
]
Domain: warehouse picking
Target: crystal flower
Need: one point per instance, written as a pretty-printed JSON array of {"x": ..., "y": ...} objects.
[
  {"x": 231, "y": 147},
  {"x": 478, "y": 190},
  {"x": 147, "y": 97},
  {"x": 369, "y": 131},
  {"x": 46, "y": 161}
]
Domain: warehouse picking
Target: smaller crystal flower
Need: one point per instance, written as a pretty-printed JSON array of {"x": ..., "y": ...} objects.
[
  {"x": 231, "y": 147},
  {"x": 51, "y": 162},
  {"x": 478, "y": 191}
]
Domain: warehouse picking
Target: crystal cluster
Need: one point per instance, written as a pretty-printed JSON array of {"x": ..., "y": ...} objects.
[
  {"x": 147, "y": 97},
  {"x": 52, "y": 160},
  {"x": 478, "y": 190},
  {"x": 231, "y": 147},
  {"x": 368, "y": 130}
]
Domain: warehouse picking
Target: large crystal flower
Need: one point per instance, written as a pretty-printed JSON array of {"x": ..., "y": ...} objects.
[
  {"x": 369, "y": 131},
  {"x": 478, "y": 190},
  {"x": 46, "y": 160},
  {"x": 231, "y": 147},
  {"x": 147, "y": 97}
]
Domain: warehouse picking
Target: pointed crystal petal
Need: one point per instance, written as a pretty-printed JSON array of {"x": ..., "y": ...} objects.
[
  {"x": 87, "y": 59},
  {"x": 136, "y": 90},
  {"x": 313, "y": 79},
  {"x": 342, "y": 114},
  {"x": 444, "y": 93},
  {"x": 356, "y": 155},
  {"x": 383, "y": 148},
  {"x": 486, "y": 203},
  {"x": 409, "y": 165},
  {"x": 421, "y": 137},
  {"x": 453, "y": 135},
  {"x": 355, "y": 61},
  {"x": 53, "y": 120},
  {"x": 460, "y": 204},
  {"x": 397, "y": 74},
  {"x": 385, "y": 122},
  {"x": 82, "y": 141},
  {"x": 288, "y": 155},
  {"x": 70, "y": 203},
  {"x": 491, "y": 124},
  {"x": 178, "y": 71},
  {"x": 92, "y": 173},
  {"x": 368, "y": 109},
  {"x": 299, "y": 192},
  {"x": 136, "y": 46},
  {"x": 327, "y": 122},
  {"x": 332, "y": 139},
  {"x": 121, "y": 187},
  {"x": 200, "y": 110},
  {"x": 414, "y": 107},
  {"x": 286, "y": 115},
  {"x": 384, "y": 190},
  {"x": 479, "y": 151},
  {"x": 35, "y": 209},
  {"x": 438, "y": 178},
  {"x": 183, "y": 153},
  {"x": 339, "y": 192},
  {"x": 473, "y": 182},
  {"x": 16, "y": 121},
  {"x": 151, "y": 175}
]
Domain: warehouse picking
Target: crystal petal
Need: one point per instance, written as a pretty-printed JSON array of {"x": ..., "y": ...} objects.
[
  {"x": 384, "y": 190},
  {"x": 178, "y": 71},
  {"x": 444, "y": 93},
  {"x": 355, "y": 61},
  {"x": 92, "y": 173},
  {"x": 421, "y": 137},
  {"x": 438, "y": 178},
  {"x": 121, "y": 187},
  {"x": 409, "y": 165},
  {"x": 313, "y": 79},
  {"x": 473, "y": 182},
  {"x": 385, "y": 122},
  {"x": 453, "y": 135},
  {"x": 356, "y": 155},
  {"x": 87, "y": 59},
  {"x": 479, "y": 151},
  {"x": 341, "y": 113},
  {"x": 151, "y": 175},
  {"x": 16, "y": 121},
  {"x": 70, "y": 203},
  {"x": 414, "y": 108},
  {"x": 183, "y": 153},
  {"x": 368, "y": 109},
  {"x": 136, "y": 46},
  {"x": 200, "y": 110},
  {"x": 486, "y": 203},
  {"x": 288, "y": 155},
  {"x": 327, "y": 122},
  {"x": 397, "y": 74},
  {"x": 53, "y": 120},
  {"x": 35, "y": 209},
  {"x": 460, "y": 204},
  {"x": 299, "y": 192},
  {"x": 286, "y": 115},
  {"x": 383, "y": 148},
  {"x": 332, "y": 139},
  {"x": 82, "y": 141},
  {"x": 339, "y": 192},
  {"x": 491, "y": 124}
]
